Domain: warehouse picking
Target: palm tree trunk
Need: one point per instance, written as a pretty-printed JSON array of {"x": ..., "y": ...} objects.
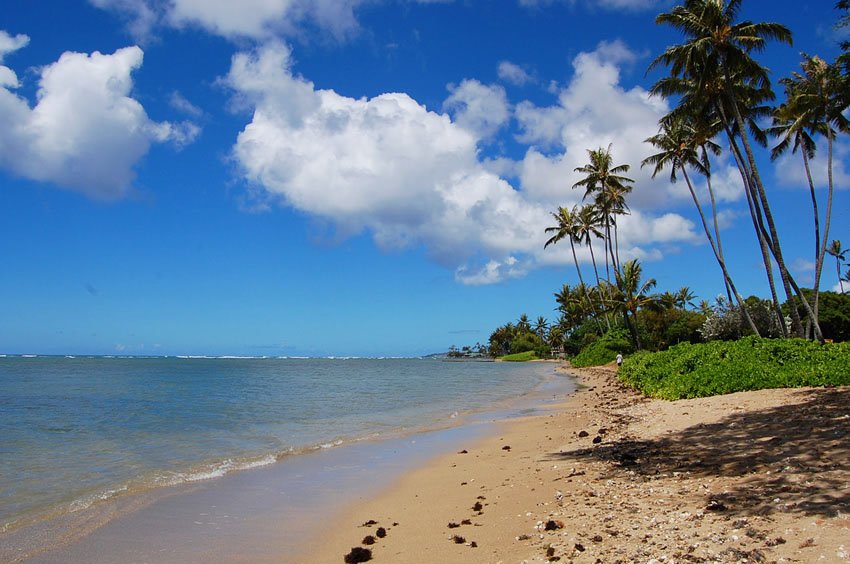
[
  {"x": 632, "y": 326},
  {"x": 755, "y": 216},
  {"x": 726, "y": 277},
  {"x": 607, "y": 259},
  {"x": 775, "y": 247},
  {"x": 817, "y": 229},
  {"x": 583, "y": 285},
  {"x": 598, "y": 282},
  {"x": 827, "y": 220},
  {"x": 707, "y": 166},
  {"x": 616, "y": 245}
]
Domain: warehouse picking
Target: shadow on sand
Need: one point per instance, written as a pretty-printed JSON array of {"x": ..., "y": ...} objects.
[{"x": 799, "y": 453}]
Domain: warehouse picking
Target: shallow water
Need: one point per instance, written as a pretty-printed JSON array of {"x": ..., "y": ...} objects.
[{"x": 80, "y": 431}]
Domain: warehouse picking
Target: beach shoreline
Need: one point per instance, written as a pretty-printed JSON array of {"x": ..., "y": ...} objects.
[
  {"x": 254, "y": 515},
  {"x": 611, "y": 476}
]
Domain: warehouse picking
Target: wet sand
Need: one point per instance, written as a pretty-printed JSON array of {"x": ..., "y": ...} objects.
[{"x": 614, "y": 477}]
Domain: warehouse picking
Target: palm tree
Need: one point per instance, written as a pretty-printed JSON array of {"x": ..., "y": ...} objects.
[
  {"x": 701, "y": 102},
  {"x": 567, "y": 227},
  {"x": 587, "y": 228},
  {"x": 718, "y": 47},
  {"x": 684, "y": 297},
  {"x": 523, "y": 324},
  {"x": 540, "y": 327},
  {"x": 633, "y": 294},
  {"x": 676, "y": 142},
  {"x": 604, "y": 181},
  {"x": 814, "y": 104},
  {"x": 840, "y": 256}
]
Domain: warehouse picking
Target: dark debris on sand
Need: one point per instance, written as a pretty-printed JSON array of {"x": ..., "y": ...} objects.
[{"x": 358, "y": 554}]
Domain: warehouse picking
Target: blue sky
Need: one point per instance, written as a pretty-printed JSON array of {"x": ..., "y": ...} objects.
[{"x": 352, "y": 177}]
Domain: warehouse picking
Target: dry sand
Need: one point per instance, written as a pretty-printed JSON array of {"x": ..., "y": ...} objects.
[{"x": 611, "y": 476}]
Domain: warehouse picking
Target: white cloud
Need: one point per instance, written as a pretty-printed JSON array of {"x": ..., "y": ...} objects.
[
  {"x": 85, "y": 132},
  {"x": 181, "y": 104},
  {"x": 593, "y": 110},
  {"x": 791, "y": 173},
  {"x": 10, "y": 44},
  {"x": 478, "y": 108},
  {"x": 261, "y": 19},
  {"x": 513, "y": 73},
  {"x": 409, "y": 176},
  {"x": 141, "y": 15},
  {"x": 490, "y": 273}
]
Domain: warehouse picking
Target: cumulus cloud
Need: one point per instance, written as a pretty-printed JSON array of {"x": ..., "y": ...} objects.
[
  {"x": 85, "y": 132},
  {"x": 479, "y": 108},
  {"x": 513, "y": 73},
  {"x": 593, "y": 110},
  {"x": 410, "y": 176}
]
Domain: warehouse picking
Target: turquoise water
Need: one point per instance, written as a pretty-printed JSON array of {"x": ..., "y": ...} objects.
[{"x": 76, "y": 431}]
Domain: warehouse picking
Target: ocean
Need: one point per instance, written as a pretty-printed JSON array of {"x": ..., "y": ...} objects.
[{"x": 79, "y": 431}]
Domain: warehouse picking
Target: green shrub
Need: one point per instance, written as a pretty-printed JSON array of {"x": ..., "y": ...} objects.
[
  {"x": 722, "y": 367},
  {"x": 520, "y": 357},
  {"x": 604, "y": 349}
]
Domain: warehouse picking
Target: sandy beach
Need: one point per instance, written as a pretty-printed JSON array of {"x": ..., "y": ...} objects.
[{"x": 610, "y": 476}]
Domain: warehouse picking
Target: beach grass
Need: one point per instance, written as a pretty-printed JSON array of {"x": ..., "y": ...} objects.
[
  {"x": 520, "y": 357},
  {"x": 721, "y": 367}
]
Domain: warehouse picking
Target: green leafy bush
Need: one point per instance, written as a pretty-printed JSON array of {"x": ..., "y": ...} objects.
[
  {"x": 722, "y": 367},
  {"x": 520, "y": 357},
  {"x": 604, "y": 349}
]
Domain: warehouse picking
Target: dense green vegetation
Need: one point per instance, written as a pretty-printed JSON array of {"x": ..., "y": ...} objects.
[
  {"x": 604, "y": 349},
  {"x": 520, "y": 357},
  {"x": 722, "y": 367}
]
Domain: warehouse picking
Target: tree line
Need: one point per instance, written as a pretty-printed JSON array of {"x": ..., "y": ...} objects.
[{"x": 720, "y": 96}]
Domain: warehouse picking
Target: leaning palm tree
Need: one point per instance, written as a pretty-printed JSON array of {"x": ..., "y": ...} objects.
[
  {"x": 604, "y": 181},
  {"x": 634, "y": 294},
  {"x": 718, "y": 46},
  {"x": 587, "y": 228},
  {"x": 815, "y": 103},
  {"x": 565, "y": 228},
  {"x": 702, "y": 102},
  {"x": 676, "y": 141}
]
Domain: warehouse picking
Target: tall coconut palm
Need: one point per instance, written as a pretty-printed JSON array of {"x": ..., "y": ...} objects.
[
  {"x": 568, "y": 228},
  {"x": 815, "y": 103},
  {"x": 634, "y": 294},
  {"x": 717, "y": 45},
  {"x": 604, "y": 181},
  {"x": 676, "y": 142},
  {"x": 702, "y": 103},
  {"x": 587, "y": 229}
]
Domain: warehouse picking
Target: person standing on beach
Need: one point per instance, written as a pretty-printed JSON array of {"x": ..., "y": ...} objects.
[{"x": 619, "y": 360}]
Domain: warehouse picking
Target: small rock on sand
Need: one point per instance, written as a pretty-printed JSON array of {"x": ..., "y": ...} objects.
[{"x": 358, "y": 554}]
